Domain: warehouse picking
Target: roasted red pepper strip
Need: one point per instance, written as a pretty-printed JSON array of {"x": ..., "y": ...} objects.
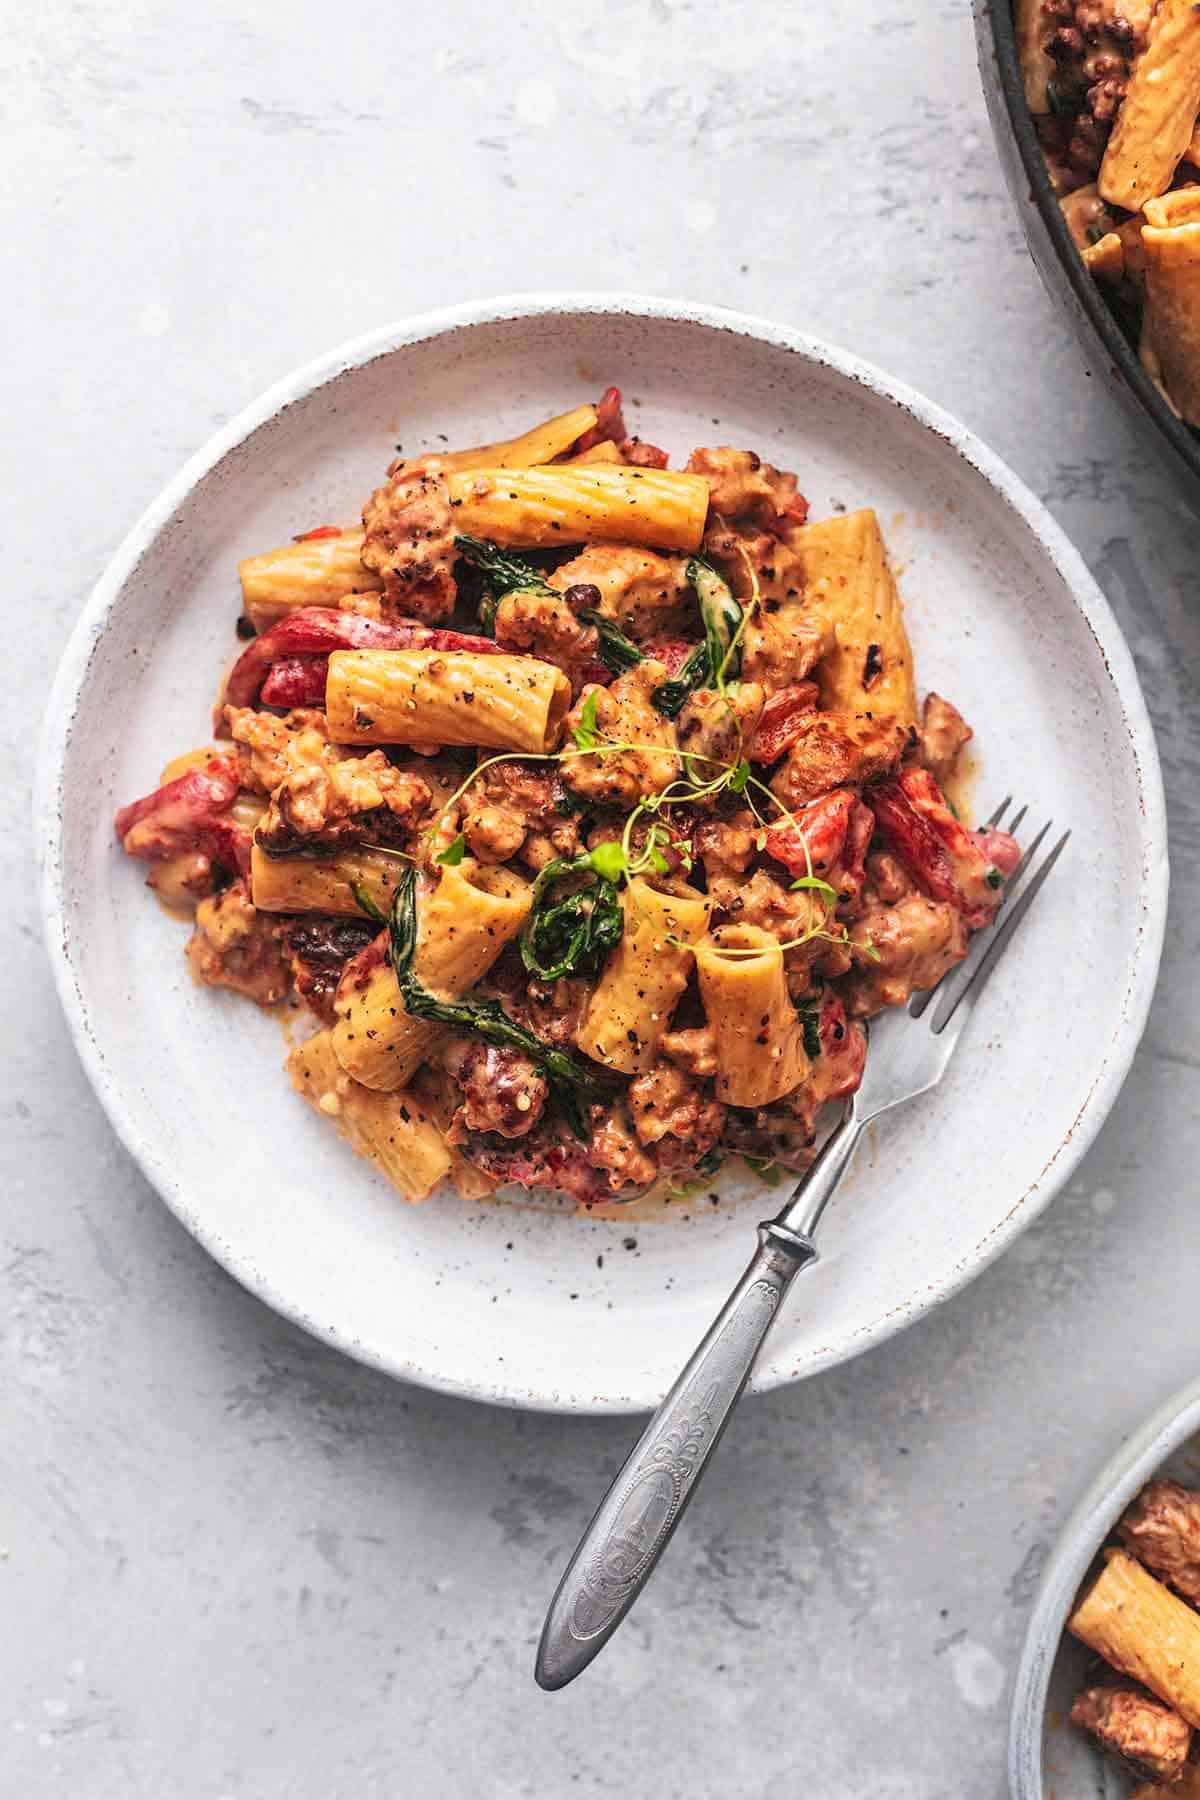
[
  {"x": 817, "y": 838},
  {"x": 912, "y": 838},
  {"x": 782, "y": 721},
  {"x": 318, "y": 531},
  {"x": 189, "y": 813},
  {"x": 609, "y": 426},
  {"x": 318, "y": 630},
  {"x": 295, "y": 681},
  {"x": 978, "y": 860}
]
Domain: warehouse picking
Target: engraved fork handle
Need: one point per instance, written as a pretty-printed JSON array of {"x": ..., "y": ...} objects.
[{"x": 636, "y": 1518}]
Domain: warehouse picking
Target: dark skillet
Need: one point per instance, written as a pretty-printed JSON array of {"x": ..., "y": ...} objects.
[{"x": 1058, "y": 261}]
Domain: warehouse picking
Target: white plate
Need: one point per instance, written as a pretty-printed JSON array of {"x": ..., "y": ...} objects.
[
  {"x": 528, "y": 1308},
  {"x": 1046, "y": 1754}
]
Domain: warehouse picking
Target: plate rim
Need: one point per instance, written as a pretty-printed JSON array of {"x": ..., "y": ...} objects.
[
  {"x": 1087, "y": 1525},
  {"x": 357, "y": 352}
]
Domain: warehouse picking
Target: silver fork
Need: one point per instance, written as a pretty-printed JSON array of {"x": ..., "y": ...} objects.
[{"x": 907, "y": 1055}]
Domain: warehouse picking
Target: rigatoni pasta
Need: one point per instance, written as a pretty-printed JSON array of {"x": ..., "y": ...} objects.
[
  {"x": 1115, "y": 94},
  {"x": 549, "y": 794},
  {"x": 571, "y": 503},
  {"x": 1146, "y": 1626},
  {"x": 850, "y": 587},
  {"x": 332, "y": 885},
  {"x": 759, "y": 1038},
  {"x": 394, "y": 1130},
  {"x": 316, "y": 570},
  {"x": 631, "y": 1009},
  {"x": 445, "y": 697},
  {"x": 465, "y": 922},
  {"x": 1143, "y": 1629}
]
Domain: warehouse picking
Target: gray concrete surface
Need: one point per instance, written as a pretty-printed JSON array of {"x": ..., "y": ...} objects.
[{"x": 232, "y": 1565}]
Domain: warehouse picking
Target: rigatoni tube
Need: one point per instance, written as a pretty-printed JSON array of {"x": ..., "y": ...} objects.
[
  {"x": 644, "y": 978},
  {"x": 1144, "y": 1630},
  {"x": 1170, "y": 346},
  {"x": 760, "y": 1042},
  {"x": 462, "y": 926},
  {"x": 573, "y": 503},
  {"x": 541, "y": 444},
  {"x": 317, "y": 571},
  {"x": 1156, "y": 118},
  {"x": 395, "y": 1131},
  {"x": 445, "y": 697},
  {"x": 324, "y": 884},
  {"x": 849, "y": 587}
]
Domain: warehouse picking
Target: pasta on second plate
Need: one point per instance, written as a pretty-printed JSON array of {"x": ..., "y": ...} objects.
[
  {"x": 587, "y": 806},
  {"x": 1114, "y": 89}
]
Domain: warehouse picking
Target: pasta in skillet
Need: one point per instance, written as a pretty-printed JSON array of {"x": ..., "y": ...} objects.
[
  {"x": 585, "y": 804},
  {"x": 1114, "y": 88}
]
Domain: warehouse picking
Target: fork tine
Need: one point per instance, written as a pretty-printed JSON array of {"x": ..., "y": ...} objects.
[
  {"x": 1026, "y": 857},
  {"x": 999, "y": 812},
  {"x": 972, "y": 987},
  {"x": 1014, "y": 824}
]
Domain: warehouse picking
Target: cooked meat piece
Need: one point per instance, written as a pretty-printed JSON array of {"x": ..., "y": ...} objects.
[
  {"x": 1151, "y": 1737},
  {"x": 318, "y": 950},
  {"x": 546, "y": 1158},
  {"x": 670, "y": 1113},
  {"x": 1162, "y": 1528},
  {"x": 762, "y": 899},
  {"x": 329, "y": 804},
  {"x": 494, "y": 833},
  {"x": 742, "y": 486},
  {"x": 409, "y": 541},
  {"x": 503, "y": 1090},
  {"x": 536, "y": 624},
  {"x": 837, "y": 750},
  {"x": 271, "y": 748},
  {"x": 694, "y": 1050},
  {"x": 624, "y": 715},
  {"x": 639, "y": 590},
  {"x": 716, "y": 727},
  {"x": 886, "y": 880},
  {"x": 756, "y": 561},
  {"x": 728, "y": 846},
  {"x": 615, "y": 1149},
  {"x": 320, "y": 796},
  {"x": 519, "y": 808},
  {"x": 553, "y": 1009},
  {"x": 914, "y": 943},
  {"x": 778, "y": 657},
  {"x": 236, "y": 947},
  {"x": 781, "y": 1134},
  {"x": 944, "y": 732}
]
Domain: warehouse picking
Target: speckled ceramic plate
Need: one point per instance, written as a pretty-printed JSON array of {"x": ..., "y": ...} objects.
[
  {"x": 538, "y": 1308},
  {"x": 1047, "y": 1755}
]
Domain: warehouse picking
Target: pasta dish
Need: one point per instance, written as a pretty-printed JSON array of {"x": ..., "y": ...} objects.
[
  {"x": 1114, "y": 87},
  {"x": 1139, "y": 1615},
  {"x": 586, "y": 805}
]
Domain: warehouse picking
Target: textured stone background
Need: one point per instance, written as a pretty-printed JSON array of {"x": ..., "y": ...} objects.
[{"x": 232, "y": 1565}]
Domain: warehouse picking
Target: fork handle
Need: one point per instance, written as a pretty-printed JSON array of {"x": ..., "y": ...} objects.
[{"x": 638, "y": 1515}]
